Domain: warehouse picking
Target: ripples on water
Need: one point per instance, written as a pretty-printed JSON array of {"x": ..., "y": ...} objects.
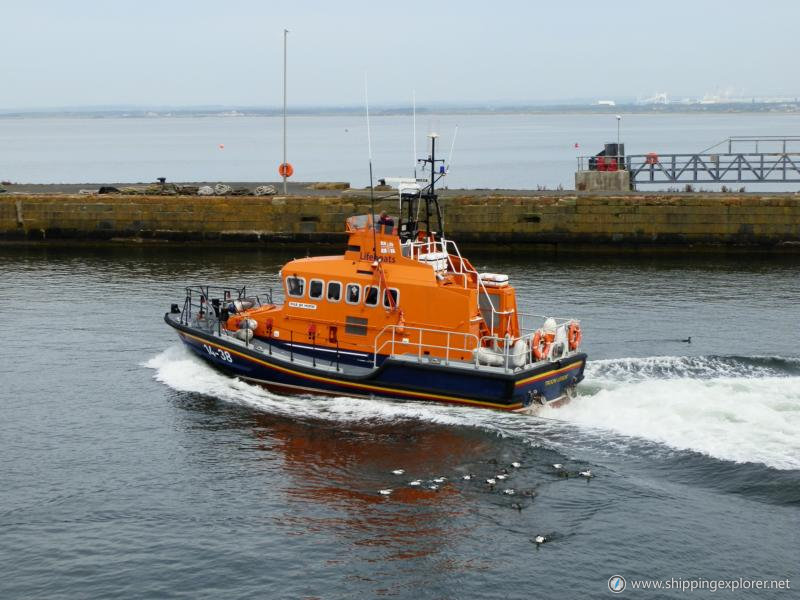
[{"x": 132, "y": 469}]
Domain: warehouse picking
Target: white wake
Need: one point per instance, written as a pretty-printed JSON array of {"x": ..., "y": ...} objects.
[{"x": 727, "y": 409}]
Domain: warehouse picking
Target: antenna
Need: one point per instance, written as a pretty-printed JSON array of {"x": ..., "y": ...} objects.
[
  {"x": 371, "y": 187},
  {"x": 414, "y": 131},
  {"x": 452, "y": 145}
]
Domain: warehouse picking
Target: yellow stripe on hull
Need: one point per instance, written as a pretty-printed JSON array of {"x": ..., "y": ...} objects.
[{"x": 362, "y": 386}]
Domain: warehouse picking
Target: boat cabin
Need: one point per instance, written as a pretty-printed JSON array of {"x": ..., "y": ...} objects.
[{"x": 388, "y": 295}]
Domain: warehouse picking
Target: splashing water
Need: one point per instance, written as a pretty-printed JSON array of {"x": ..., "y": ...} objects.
[{"x": 741, "y": 409}]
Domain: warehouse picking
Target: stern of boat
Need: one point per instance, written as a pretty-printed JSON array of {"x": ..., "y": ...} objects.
[{"x": 552, "y": 386}]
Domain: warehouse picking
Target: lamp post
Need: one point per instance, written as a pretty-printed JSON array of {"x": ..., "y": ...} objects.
[
  {"x": 619, "y": 120},
  {"x": 285, "y": 31}
]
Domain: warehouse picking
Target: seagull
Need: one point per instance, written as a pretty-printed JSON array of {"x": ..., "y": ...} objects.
[
  {"x": 558, "y": 466},
  {"x": 440, "y": 479},
  {"x": 516, "y": 465},
  {"x": 384, "y": 492},
  {"x": 491, "y": 481},
  {"x": 502, "y": 476},
  {"x": 508, "y": 492},
  {"x": 587, "y": 473},
  {"x": 415, "y": 482},
  {"x": 540, "y": 539},
  {"x": 433, "y": 487},
  {"x": 467, "y": 477},
  {"x": 398, "y": 471}
]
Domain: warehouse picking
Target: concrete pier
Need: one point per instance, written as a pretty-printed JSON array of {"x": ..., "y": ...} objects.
[
  {"x": 560, "y": 221},
  {"x": 602, "y": 181}
]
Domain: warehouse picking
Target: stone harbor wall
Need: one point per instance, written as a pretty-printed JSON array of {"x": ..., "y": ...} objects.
[{"x": 566, "y": 221}]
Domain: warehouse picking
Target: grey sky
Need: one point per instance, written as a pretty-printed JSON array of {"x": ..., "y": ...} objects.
[{"x": 199, "y": 52}]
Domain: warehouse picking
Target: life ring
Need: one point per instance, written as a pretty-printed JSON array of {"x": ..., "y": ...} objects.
[
  {"x": 285, "y": 170},
  {"x": 574, "y": 335},
  {"x": 541, "y": 344}
]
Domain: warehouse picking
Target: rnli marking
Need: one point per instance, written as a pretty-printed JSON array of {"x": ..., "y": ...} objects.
[
  {"x": 303, "y": 305},
  {"x": 371, "y": 256}
]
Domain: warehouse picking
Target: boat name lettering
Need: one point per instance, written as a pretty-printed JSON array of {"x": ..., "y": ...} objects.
[
  {"x": 556, "y": 380},
  {"x": 219, "y": 354},
  {"x": 304, "y": 305}
]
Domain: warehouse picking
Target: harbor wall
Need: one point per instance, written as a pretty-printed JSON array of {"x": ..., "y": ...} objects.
[{"x": 558, "y": 221}]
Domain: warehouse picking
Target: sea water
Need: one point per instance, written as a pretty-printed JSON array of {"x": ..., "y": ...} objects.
[
  {"x": 525, "y": 151},
  {"x": 133, "y": 470}
]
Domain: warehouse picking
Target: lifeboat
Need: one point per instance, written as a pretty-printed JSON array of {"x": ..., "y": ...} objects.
[{"x": 400, "y": 314}]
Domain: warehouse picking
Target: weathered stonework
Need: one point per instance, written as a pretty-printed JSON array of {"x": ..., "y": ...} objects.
[{"x": 562, "y": 221}]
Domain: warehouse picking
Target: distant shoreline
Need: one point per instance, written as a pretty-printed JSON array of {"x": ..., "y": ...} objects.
[{"x": 788, "y": 108}]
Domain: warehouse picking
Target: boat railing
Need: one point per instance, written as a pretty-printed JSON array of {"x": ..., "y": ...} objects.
[
  {"x": 503, "y": 348},
  {"x": 526, "y": 319},
  {"x": 513, "y": 355},
  {"x": 204, "y": 303},
  {"x": 510, "y": 353},
  {"x": 416, "y": 250},
  {"x": 464, "y": 270},
  {"x": 449, "y": 248},
  {"x": 392, "y": 336}
]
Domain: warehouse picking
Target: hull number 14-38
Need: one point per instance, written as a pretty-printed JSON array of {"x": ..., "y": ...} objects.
[{"x": 219, "y": 354}]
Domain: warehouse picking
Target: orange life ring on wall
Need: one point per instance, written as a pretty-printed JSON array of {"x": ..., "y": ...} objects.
[
  {"x": 285, "y": 170},
  {"x": 574, "y": 335},
  {"x": 541, "y": 344}
]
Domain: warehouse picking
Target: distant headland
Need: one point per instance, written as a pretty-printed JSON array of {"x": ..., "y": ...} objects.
[{"x": 789, "y": 106}]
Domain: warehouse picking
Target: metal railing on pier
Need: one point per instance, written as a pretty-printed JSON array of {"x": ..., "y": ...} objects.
[{"x": 738, "y": 159}]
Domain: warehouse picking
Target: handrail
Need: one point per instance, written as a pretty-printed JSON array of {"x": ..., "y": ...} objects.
[
  {"x": 559, "y": 320},
  {"x": 442, "y": 246},
  {"x": 207, "y": 294},
  {"x": 507, "y": 344},
  {"x": 419, "y": 343}
]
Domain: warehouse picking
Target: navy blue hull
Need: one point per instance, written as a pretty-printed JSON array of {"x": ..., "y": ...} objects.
[{"x": 393, "y": 378}]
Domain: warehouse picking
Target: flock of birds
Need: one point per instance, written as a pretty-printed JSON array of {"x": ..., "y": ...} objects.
[{"x": 435, "y": 483}]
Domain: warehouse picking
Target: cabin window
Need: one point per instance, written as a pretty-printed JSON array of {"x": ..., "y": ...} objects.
[
  {"x": 371, "y": 295},
  {"x": 295, "y": 286},
  {"x": 353, "y": 293},
  {"x": 315, "y": 289},
  {"x": 395, "y": 297},
  {"x": 334, "y": 291}
]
